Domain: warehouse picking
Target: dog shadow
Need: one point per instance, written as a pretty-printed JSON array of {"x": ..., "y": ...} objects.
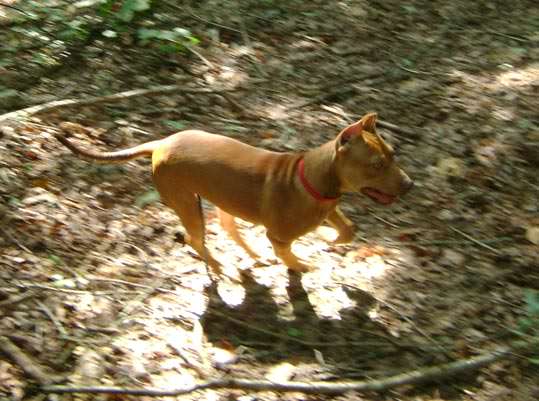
[{"x": 277, "y": 332}]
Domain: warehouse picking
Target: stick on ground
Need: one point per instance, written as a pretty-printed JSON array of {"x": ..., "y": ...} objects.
[
  {"x": 117, "y": 97},
  {"x": 27, "y": 365},
  {"x": 413, "y": 377}
]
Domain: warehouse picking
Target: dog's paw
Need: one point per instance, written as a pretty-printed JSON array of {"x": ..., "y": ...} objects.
[
  {"x": 344, "y": 237},
  {"x": 299, "y": 267},
  {"x": 265, "y": 262}
]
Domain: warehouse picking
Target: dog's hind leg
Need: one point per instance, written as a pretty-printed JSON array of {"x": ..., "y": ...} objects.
[
  {"x": 228, "y": 222},
  {"x": 187, "y": 207}
]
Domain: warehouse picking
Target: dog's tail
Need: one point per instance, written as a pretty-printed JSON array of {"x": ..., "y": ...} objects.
[{"x": 120, "y": 156}]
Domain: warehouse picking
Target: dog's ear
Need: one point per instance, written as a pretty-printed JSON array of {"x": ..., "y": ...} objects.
[
  {"x": 369, "y": 122},
  {"x": 346, "y": 135}
]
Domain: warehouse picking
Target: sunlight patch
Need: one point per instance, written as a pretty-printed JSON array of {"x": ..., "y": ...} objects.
[
  {"x": 519, "y": 77},
  {"x": 328, "y": 303},
  {"x": 271, "y": 276},
  {"x": 373, "y": 267},
  {"x": 231, "y": 293}
]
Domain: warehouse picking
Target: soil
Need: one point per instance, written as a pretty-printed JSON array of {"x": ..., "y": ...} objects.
[{"x": 97, "y": 287}]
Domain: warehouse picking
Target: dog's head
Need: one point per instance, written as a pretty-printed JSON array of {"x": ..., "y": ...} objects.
[{"x": 366, "y": 163}]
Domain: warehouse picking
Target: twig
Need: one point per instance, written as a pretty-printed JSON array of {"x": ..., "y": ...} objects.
[
  {"x": 395, "y": 128},
  {"x": 129, "y": 283},
  {"x": 333, "y": 89},
  {"x": 322, "y": 97},
  {"x": 133, "y": 304},
  {"x": 421, "y": 332},
  {"x": 415, "y": 71},
  {"x": 416, "y": 327},
  {"x": 201, "y": 370},
  {"x": 247, "y": 40},
  {"x": 28, "y": 366},
  {"x": 117, "y": 97},
  {"x": 14, "y": 240},
  {"x": 55, "y": 321},
  {"x": 68, "y": 291},
  {"x": 201, "y": 57},
  {"x": 192, "y": 14},
  {"x": 383, "y": 220},
  {"x": 16, "y": 299},
  {"x": 316, "y": 387},
  {"x": 505, "y": 35},
  {"x": 475, "y": 241},
  {"x": 16, "y": 9},
  {"x": 455, "y": 241}
]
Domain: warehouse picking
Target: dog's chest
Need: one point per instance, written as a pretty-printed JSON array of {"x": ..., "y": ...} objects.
[{"x": 299, "y": 219}]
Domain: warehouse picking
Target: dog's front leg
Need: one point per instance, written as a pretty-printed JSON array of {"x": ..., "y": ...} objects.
[
  {"x": 343, "y": 225},
  {"x": 283, "y": 251}
]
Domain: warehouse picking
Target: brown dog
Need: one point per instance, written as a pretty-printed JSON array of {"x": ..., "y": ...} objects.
[{"x": 289, "y": 193}]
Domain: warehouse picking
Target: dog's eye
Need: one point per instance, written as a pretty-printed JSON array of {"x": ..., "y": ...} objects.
[{"x": 378, "y": 164}]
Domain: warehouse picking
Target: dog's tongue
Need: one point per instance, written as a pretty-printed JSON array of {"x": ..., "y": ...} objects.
[{"x": 378, "y": 196}]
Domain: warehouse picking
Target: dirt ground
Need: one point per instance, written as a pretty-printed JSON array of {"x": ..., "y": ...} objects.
[{"x": 96, "y": 286}]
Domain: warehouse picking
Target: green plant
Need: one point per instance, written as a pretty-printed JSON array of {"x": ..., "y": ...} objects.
[
  {"x": 123, "y": 11},
  {"x": 528, "y": 326},
  {"x": 74, "y": 30},
  {"x": 130, "y": 7},
  {"x": 120, "y": 14},
  {"x": 168, "y": 41}
]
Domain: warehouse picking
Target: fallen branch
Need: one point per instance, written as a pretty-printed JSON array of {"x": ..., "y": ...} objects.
[
  {"x": 117, "y": 97},
  {"x": 318, "y": 387},
  {"x": 27, "y": 365}
]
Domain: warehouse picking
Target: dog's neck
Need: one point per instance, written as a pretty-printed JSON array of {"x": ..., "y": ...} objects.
[{"x": 320, "y": 170}]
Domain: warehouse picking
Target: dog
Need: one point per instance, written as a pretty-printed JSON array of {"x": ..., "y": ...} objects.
[{"x": 289, "y": 193}]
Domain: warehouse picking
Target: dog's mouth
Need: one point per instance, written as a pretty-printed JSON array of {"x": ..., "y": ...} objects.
[{"x": 378, "y": 196}]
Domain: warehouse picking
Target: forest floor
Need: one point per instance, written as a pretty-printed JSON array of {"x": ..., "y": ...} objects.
[{"x": 96, "y": 286}]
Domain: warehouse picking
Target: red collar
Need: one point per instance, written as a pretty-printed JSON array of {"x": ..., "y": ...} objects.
[{"x": 307, "y": 185}]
